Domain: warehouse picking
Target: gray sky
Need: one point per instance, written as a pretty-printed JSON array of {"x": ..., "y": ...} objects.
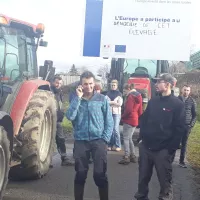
[{"x": 63, "y": 22}]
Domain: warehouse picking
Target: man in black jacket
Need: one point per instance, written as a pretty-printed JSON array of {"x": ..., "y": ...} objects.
[
  {"x": 161, "y": 130},
  {"x": 60, "y": 137},
  {"x": 190, "y": 119}
]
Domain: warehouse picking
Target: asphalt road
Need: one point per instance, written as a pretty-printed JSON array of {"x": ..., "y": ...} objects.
[{"x": 58, "y": 184}]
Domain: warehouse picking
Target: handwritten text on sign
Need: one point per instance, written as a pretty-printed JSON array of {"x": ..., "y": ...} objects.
[
  {"x": 138, "y": 24},
  {"x": 146, "y": 29}
]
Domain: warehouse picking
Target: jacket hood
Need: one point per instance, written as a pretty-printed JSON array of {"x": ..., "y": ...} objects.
[
  {"x": 133, "y": 90},
  {"x": 136, "y": 96}
]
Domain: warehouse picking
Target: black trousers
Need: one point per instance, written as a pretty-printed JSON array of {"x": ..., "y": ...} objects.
[
  {"x": 60, "y": 141},
  {"x": 184, "y": 144},
  {"x": 162, "y": 161},
  {"x": 82, "y": 151}
]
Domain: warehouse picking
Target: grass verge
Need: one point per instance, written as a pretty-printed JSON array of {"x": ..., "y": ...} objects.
[
  {"x": 198, "y": 112},
  {"x": 193, "y": 148}
]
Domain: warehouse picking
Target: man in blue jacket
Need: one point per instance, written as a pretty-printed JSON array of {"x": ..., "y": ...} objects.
[{"x": 93, "y": 124}]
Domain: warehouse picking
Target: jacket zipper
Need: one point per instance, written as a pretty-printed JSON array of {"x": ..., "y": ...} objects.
[{"x": 88, "y": 121}]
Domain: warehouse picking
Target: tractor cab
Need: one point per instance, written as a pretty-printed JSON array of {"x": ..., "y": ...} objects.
[
  {"x": 145, "y": 71},
  {"x": 18, "y": 45}
]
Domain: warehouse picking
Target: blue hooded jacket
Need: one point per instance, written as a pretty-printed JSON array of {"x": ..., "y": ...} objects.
[{"x": 92, "y": 119}]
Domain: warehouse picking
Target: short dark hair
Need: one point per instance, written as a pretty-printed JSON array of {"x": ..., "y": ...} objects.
[
  {"x": 86, "y": 74},
  {"x": 187, "y": 86},
  {"x": 129, "y": 86},
  {"x": 57, "y": 78}
]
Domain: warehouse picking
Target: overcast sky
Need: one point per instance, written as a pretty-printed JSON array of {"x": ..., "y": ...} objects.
[{"x": 63, "y": 22}]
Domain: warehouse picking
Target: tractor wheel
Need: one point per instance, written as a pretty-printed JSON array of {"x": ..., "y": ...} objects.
[
  {"x": 4, "y": 160},
  {"x": 37, "y": 136}
]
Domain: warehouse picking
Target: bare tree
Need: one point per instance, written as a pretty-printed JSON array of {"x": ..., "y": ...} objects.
[
  {"x": 103, "y": 72},
  {"x": 82, "y": 69},
  {"x": 73, "y": 71},
  {"x": 177, "y": 67}
]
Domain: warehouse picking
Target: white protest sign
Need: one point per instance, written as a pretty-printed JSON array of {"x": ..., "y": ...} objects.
[{"x": 140, "y": 29}]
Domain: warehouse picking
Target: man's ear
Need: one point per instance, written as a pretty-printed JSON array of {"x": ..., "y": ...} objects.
[{"x": 169, "y": 85}]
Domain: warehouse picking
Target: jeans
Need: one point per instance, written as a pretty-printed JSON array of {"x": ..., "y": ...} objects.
[
  {"x": 115, "y": 138},
  {"x": 128, "y": 131}
]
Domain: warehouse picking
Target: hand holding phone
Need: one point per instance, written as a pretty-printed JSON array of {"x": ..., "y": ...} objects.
[{"x": 79, "y": 91}]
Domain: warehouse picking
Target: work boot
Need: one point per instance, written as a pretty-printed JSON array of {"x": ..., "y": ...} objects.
[
  {"x": 182, "y": 164},
  {"x": 103, "y": 193},
  {"x": 67, "y": 162},
  {"x": 125, "y": 160},
  {"x": 133, "y": 159},
  {"x": 78, "y": 192}
]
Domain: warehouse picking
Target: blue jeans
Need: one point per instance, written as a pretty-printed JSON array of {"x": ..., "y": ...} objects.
[{"x": 115, "y": 138}]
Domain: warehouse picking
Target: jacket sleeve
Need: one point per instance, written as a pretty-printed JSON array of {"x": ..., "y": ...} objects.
[
  {"x": 119, "y": 102},
  {"x": 179, "y": 127},
  {"x": 140, "y": 110},
  {"x": 128, "y": 106},
  {"x": 142, "y": 121},
  {"x": 73, "y": 108},
  {"x": 194, "y": 113},
  {"x": 108, "y": 121}
]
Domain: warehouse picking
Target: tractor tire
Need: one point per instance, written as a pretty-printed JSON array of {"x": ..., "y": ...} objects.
[
  {"x": 4, "y": 160},
  {"x": 37, "y": 136}
]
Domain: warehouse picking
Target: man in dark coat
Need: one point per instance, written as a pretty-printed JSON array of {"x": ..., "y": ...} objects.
[
  {"x": 190, "y": 119},
  {"x": 161, "y": 130},
  {"x": 60, "y": 137}
]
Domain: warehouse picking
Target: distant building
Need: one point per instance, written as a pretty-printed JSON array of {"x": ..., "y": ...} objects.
[{"x": 195, "y": 60}]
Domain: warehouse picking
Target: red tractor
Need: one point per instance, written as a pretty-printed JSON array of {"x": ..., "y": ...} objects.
[
  {"x": 27, "y": 106},
  {"x": 139, "y": 72}
]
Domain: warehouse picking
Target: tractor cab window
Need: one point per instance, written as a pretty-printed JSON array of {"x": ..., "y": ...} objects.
[
  {"x": 31, "y": 57},
  {"x": 13, "y": 54},
  {"x": 2, "y": 52},
  {"x": 148, "y": 66}
]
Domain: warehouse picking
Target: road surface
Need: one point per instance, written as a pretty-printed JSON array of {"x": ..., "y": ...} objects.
[{"x": 58, "y": 184}]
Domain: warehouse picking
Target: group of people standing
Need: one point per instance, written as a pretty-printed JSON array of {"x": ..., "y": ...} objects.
[
  {"x": 96, "y": 117},
  {"x": 131, "y": 100}
]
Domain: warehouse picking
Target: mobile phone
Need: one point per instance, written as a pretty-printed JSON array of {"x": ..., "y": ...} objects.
[{"x": 80, "y": 88}]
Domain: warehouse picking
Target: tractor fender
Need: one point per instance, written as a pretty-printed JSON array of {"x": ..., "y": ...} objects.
[
  {"x": 21, "y": 102},
  {"x": 7, "y": 123}
]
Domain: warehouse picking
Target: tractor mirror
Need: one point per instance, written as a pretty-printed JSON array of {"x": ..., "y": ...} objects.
[
  {"x": 43, "y": 71},
  {"x": 43, "y": 43},
  {"x": 47, "y": 71}
]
